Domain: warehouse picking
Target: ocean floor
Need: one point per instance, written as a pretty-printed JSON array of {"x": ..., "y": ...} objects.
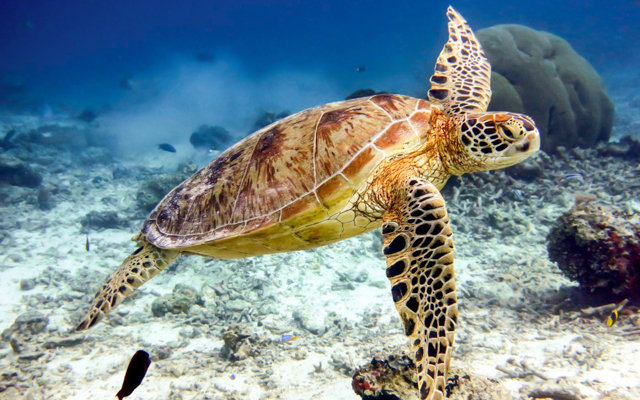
[{"x": 214, "y": 327}]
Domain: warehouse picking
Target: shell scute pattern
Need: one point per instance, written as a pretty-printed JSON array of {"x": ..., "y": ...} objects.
[
  {"x": 397, "y": 107},
  {"x": 300, "y": 169}
]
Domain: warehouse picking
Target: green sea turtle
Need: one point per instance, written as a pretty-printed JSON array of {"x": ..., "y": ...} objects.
[{"x": 336, "y": 171}]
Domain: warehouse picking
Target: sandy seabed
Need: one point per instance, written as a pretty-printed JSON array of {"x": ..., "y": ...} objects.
[{"x": 335, "y": 299}]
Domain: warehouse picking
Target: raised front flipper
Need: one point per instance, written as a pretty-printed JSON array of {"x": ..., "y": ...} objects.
[
  {"x": 461, "y": 81},
  {"x": 419, "y": 248},
  {"x": 143, "y": 264}
]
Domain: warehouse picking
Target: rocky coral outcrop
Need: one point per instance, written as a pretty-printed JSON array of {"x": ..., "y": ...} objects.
[
  {"x": 599, "y": 247},
  {"x": 541, "y": 75},
  {"x": 395, "y": 378},
  {"x": 209, "y": 137},
  {"x": 17, "y": 173}
]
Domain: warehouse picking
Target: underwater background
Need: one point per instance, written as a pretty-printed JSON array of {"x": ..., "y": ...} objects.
[{"x": 106, "y": 105}]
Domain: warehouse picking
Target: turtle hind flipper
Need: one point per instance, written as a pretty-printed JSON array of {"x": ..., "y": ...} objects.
[
  {"x": 418, "y": 245},
  {"x": 143, "y": 264}
]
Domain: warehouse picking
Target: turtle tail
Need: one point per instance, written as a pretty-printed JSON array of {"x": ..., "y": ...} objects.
[{"x": 143, "y": 264}]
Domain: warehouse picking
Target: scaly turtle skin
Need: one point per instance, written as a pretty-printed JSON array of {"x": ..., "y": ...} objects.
[{"x": 339, "y": 170}]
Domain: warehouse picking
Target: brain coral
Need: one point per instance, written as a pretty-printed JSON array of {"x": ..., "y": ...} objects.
[{"x": 539, "y": 74}]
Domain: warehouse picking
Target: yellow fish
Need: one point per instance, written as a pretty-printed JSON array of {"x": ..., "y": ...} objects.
[{"x": 615, "y": 314}]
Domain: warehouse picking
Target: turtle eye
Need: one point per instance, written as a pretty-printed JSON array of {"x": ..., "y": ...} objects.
[
  {"x": 507, "y": 132},
  {"x": 512, "y": 132}
]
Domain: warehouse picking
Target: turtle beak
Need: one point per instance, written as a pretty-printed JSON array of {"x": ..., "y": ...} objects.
[{"x": 525, "y": 146}]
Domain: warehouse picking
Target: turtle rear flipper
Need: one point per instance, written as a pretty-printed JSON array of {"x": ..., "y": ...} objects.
[
  {"x": 418, "y": 245},
  {"x": 143, "y": 264}
]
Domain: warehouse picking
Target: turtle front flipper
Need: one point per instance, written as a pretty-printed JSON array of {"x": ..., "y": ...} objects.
[
  {"x": 143, "y": 264},
  {"x": 418, "y": 245},
  {"x": 461, "y": 81}
]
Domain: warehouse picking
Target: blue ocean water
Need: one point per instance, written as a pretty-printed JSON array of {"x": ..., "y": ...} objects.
[{"x": 79, "y": 50}]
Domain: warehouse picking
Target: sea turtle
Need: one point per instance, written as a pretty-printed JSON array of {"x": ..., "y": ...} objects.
[{"x": 338, "y": 170}]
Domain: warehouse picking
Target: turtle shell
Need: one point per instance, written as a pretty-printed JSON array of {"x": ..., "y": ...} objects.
[{"x": 294, "y": 172}]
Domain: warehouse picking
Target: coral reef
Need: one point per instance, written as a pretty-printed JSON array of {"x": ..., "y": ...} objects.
[
  {"x": 599, "y": 247},
  {"x": 541, "y": 75}
]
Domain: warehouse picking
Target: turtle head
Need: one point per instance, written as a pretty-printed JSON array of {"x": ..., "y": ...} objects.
[{"x": 495, "y": 140}]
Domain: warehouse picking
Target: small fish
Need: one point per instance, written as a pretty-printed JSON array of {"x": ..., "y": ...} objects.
[
  {"x": 518, "y": 193},
  {"x": 613, "y": 318},
  {"x": 136, "y": 371},
  {"x": 574, "y": 176},
  {"x": 87, "y": 245},
  {"x": 232, "y": 377},
  {"x": 288, "y": 338},
  {"x": 167, "y": 147},
  {"x": 361, "y": 69}
]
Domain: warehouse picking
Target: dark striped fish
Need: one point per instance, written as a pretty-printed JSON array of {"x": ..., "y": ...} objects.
[{"x": 136, "y": 371}]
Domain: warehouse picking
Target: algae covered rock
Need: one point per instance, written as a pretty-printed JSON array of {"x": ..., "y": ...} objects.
[
  {"x": 17, "y": 173},
  {"x": 599, "y": 247},
  {"x": 541, "y": 75}
]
